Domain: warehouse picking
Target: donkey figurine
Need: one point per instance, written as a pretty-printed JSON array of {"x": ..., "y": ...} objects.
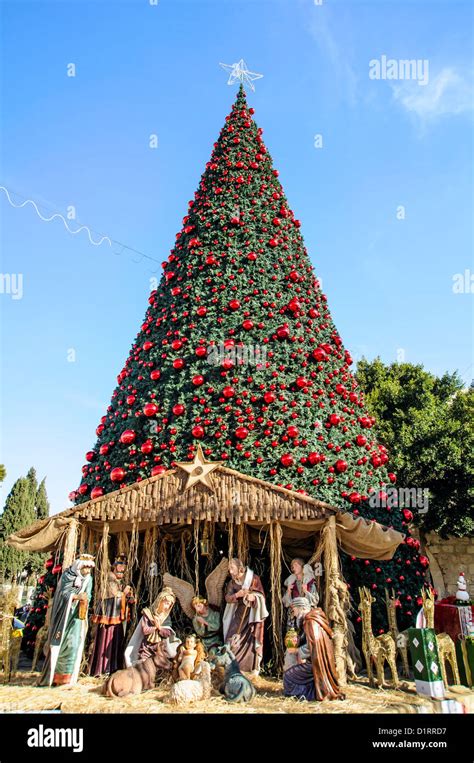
[{"x": 236, "y": 687}]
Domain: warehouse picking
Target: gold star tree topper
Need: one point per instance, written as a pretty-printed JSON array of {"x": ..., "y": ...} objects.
[{"x": 198, "y": 470}]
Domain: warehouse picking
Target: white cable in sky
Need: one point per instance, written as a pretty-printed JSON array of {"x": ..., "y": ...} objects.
[{"x": 55, "y": 215}]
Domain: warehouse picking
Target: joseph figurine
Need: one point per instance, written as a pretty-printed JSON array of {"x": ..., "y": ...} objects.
[{"x": 244, "y": 616}]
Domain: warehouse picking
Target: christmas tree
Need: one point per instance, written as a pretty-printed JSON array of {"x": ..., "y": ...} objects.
[
  {"x": 42, "y": 595},
  {"x": 238, "y": 352}
]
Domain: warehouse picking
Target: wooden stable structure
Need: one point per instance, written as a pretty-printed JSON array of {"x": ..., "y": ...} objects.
[{"x": 187, "y": 505}]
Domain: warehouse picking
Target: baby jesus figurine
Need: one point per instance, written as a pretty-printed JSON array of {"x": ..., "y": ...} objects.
[{"x": 189, "y": 656}]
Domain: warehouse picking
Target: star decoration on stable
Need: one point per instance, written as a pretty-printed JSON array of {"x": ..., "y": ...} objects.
[
  {"x": 240, "y": 73},
  {"x": 198, "y": 470}
]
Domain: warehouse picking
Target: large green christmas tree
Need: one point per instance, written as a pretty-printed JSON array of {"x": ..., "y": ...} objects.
[{"x": 238, "y": 352}]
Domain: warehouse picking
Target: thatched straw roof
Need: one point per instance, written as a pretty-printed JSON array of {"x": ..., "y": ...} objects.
[
  {"x": 233, "y": 498},
  {"x": 162, "y": 500}
]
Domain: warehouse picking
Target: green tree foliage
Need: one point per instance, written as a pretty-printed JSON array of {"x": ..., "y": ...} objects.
[
  {"x": 3, "y": 472},
  {"x": 24, "y": 505},
  {"x": 42, "y": 503},
  {"x": 19, "y": 511},
  {"x": 427, "y": 425}
]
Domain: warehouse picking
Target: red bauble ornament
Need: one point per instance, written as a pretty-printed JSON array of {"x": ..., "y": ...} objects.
[
  {"x": 234, "y": 304},
  {"x": 117, "y": 474},
  {"x": 198, "y": 431},
  {"x": 147, "y": 346},
  {"x": 130, "y": 399},
  {"x": 158, "y": 470},
  {"x": 96, "y": 492},
  {"x": 407, "y": 515},
  {"x": 198, "y": 380},
  {"x": 269, "y": 397},
  {"x": 241, "y": 432},
  {"x": 283, "y": 332},
  {"x": 178, "y": 409},
  {"x": 286, "y": 459},
  {"x": 341, "y": 465},
  {"x": 155, "y": 374},
  {"x": 178, "y": 363},
  {"x": 127, "y": 437},
  {"x": 247, "y": 325},
  {"x": 150, "y": 409},
  {"x": 147, "y": 447},
  {"x": 319, "y": 354},
  {"x": 228, "y": 392},
  {"x": 90, "y": 455},
  {"x": 83, "y": 489},
  {"x": 200, "y": 351},
  {"x": 424, "y": 561},
  {"x": 361, "y": 440}
]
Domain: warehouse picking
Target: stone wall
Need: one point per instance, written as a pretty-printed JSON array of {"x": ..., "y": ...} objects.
[{"x": 447, "y": 559}]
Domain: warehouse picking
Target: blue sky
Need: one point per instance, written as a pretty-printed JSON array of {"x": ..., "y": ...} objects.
[{"x": 146, "y": 69}]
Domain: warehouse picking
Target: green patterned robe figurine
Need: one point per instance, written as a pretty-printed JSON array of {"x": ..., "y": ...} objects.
[
  {"x": 204, "y": 611},
  {"x": 68, "y": 625},
  {"x": 207, "y": 624}
]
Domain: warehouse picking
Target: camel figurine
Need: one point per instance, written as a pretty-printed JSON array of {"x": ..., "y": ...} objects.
[
  {"x": 446, "y": 648},
  {"x": 378, "y": 648},
  {"x": 400, "y": 638}
]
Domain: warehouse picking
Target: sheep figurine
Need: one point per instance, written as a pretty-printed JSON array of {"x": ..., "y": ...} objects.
[{"x": 192, "y": 690}]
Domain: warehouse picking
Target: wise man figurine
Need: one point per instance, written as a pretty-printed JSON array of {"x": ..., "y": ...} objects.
[
  {"x": 111, "y": 617},
  {"x": 68, "y": 626},
  {"x": 311, "y": 673},
  {"x": 244, "y": 616}
]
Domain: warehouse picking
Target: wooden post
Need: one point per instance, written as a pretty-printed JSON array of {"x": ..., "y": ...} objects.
[
  {"x": 335, "y": 593},
  {"x": 70, "y": 543},
  {"x": 275, "y": 592}
]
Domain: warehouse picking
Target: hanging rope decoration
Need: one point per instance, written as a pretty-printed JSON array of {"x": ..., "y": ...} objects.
[
  {"x": 242, "y": 542},
  {"x": 196, "y": 555},
  {"x": 123, "y": 544},
  {"x": 133, "y": 548},
  {"x": 185, "y": 569},
  {"x": 230, "y": 535},
  {"x": 150, "y": 563},
  {"x": 83, "y": 536},
  {"x": 211, "y": 535},
  {"x": 69, "y": 543},
  {"x": 102, "y": 567},
  {"x": 163, "y": 554},
  {"x": 275, "y": 583}
]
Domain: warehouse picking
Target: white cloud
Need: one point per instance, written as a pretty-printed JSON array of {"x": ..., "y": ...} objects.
[
  {"x": 449, "y": 93},
  {"x": 321, "y": 27}
]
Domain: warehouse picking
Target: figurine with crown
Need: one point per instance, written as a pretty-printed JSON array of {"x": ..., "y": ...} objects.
[
  {"x": 68, "y": 625},
  {"x": 110, "y": 619}
]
